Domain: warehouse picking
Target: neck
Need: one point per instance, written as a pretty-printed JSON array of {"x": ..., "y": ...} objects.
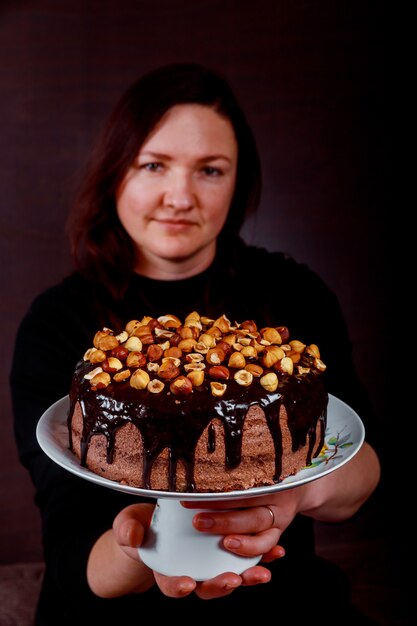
[{"x": 177, "y": 269}]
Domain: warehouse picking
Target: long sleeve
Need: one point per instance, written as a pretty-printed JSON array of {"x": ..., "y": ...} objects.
[{"x": 52, "y": 337}]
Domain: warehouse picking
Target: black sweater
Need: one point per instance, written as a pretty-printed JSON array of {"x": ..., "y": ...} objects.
[{"x": 59, "y": 326}]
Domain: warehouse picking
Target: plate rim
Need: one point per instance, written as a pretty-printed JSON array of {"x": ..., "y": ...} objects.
[{"x": 63, "y": 457}]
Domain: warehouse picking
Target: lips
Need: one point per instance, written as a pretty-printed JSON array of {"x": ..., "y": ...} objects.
[{"x": 174, "y": 224}]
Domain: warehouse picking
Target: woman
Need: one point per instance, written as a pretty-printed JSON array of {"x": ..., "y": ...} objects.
[{"x": 156, "y": 228}]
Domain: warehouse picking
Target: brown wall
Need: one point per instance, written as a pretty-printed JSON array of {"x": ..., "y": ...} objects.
[{"x": 309, "y": 75}]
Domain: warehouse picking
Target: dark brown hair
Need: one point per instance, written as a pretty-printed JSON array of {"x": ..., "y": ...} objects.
[{"x": 100, "y": 246}]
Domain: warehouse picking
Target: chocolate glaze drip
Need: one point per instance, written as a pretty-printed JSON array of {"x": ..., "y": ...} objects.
[{"x": 169, "y": 421}]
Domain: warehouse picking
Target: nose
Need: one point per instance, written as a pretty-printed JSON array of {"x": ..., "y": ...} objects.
[{"x": 179, "y": 193}]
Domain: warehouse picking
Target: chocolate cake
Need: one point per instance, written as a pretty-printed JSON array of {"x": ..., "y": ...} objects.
[{"x": 198, "y": 405}]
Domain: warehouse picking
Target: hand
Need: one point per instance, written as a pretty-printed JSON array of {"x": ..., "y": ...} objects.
[
  {"x": 250, "y": 526},
  {"x": 129, "y": 530}
]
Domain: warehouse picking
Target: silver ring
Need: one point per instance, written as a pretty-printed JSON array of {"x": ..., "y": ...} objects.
[{"x": 272, "y": 514}]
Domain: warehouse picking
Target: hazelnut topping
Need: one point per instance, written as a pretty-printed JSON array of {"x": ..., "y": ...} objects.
[{"x": 168, "y": 355}]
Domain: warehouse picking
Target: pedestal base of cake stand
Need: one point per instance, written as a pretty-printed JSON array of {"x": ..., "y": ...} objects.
[{"x": 175, "y": 548}]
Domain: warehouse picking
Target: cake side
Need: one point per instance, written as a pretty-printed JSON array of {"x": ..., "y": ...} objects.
[{"x": 223, "y": 409}]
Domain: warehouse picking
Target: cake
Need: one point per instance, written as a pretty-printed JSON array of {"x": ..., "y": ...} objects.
[{"x": 197, "y": 405}]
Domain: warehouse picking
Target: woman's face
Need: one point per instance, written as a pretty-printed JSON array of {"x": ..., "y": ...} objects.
[{"x": 174, "y": 199}]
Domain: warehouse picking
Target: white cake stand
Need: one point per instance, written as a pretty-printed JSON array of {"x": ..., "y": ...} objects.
[{"x": 173, "y": 546}]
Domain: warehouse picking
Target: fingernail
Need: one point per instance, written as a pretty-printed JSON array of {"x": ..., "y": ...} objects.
[
  {"x": 204, "y": 523},
  {"x": 232, "y": 543},
  {"x": 185, "y": 589}
]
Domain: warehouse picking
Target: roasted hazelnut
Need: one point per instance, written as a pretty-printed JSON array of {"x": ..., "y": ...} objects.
[
  {"x": 222, "y": 323},
  {"x": 169, "y": 321},
  {"x": 249, "y": 352},
  {"x": 103, "y": 340},
  {"x": 194, "y": 366},
  {"x": 313, "y": 350},
  {"x": 194, "y": 357},
  {"x": 111, "y": 365},
  {"x": 297, "y": 346},
  {"x": 215, "y": 356},
  {"x": 269, "y": 381},
  {"x": 131, "y": 326},
  {"x": 181, "y": 385},
  {"x": 135, "y": 359},
  {"x": 196, "y": 325},
  {"x": 90, "y": 375},
  {"x": 193, "y": 316},
  {"x": 185, "y": 332},
  {"x": 230, "y": 339},
  {"x": 318, "y": 364},
  {"x": 154, "y": 325},
  {"x": 141, "y": 330},
  {"x": 271, "y": 355},
  {"x": 215, "y": 331},
  {"x": 219, "y": 372},
  {"x": 208, "y": 340},
  {"x": 248, "y": 325},
  {"x": 123, "y": 336},
  {"x": 121, "y": 376},
  {"x": 285, "y": 365},
  {"x": 168, "y": 370},
  {"x": 120, "y": 352},
  {"x": 226, "y": 347},
  {"x": 243, "y": 377},
  {"x": 96, "y": 356},
  {"x": 271, "y": 335},
  {"x": 133, "y": 344},
  {"x": 154, "y": 352},
  {"x": 155, "y": 386},
  {"x": 139, "y": 379},
  {"x": 174, "y": 340},
  {"x": 237, "y": 360},
  {"x": 100, "y": 381},
  {"x": 255, "y": 369},
  {"x": 89, "y": 352},
  {"x": 294, "y": 356},
  {"x": 147, "y": 338},
  {"x": 218, "y": 389},
  {"x": 187, "y": 345},
  {"x": 196, "y": 377},
  {"x": 175, "y": 360},
  {"x": 284, "y": 332},
  {"x": 201, "y": 348},
  {"x": 163, "y": 333}
]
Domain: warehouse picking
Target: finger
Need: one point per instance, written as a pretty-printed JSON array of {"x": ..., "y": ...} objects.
[
  {"x": 251, "y": 545},
  {"x": 131, "y": 523},
  {"x": 218, "y": 587},
  {"x": 277, "y": 552},
  {"x": 236, "y": 521},
  {"x": 175, "y": 586},
  {"x": 257, "y": 575}
]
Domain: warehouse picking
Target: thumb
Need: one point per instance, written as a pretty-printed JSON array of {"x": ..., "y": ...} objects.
[{"x": 131, "y": 524}]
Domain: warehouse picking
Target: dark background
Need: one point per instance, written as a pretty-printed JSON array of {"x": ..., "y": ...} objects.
[{"x": 310, "y": 76}]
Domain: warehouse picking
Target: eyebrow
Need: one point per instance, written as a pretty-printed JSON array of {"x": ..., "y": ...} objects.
[{"x": 167, "y": 157}]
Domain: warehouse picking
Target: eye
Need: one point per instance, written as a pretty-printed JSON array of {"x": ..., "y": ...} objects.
[
  {"x": 211, "y": 171},
  {"x": 154, "y": 166}
]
